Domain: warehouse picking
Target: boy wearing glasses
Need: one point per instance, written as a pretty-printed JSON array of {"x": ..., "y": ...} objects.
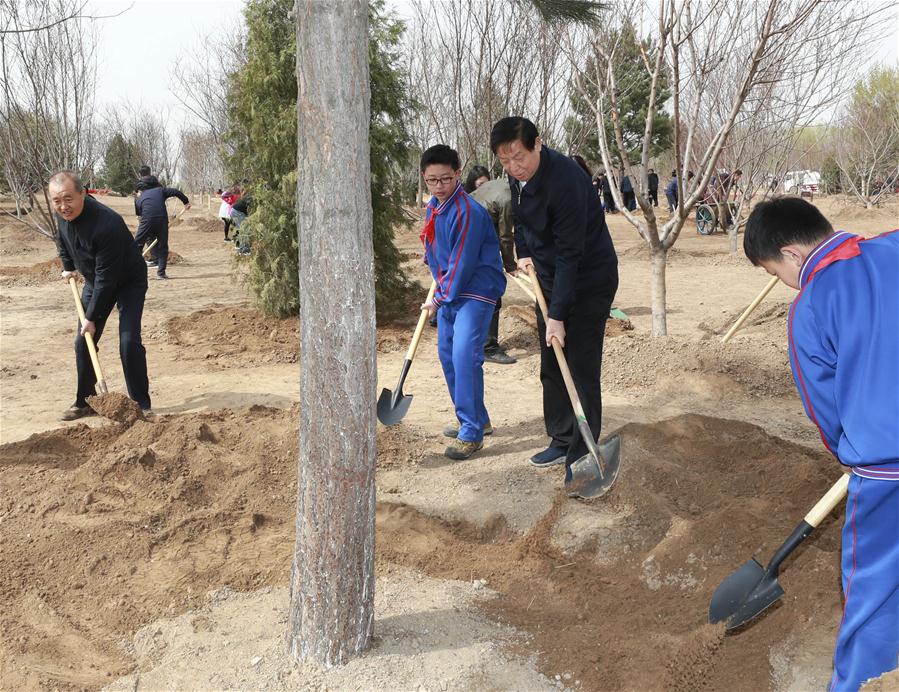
[{"x": 462, "y": 252}]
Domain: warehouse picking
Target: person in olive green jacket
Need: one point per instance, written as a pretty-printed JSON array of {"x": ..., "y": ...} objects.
[{"x": 496, "y": 197}]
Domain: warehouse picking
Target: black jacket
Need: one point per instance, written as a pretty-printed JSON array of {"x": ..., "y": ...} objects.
[
  {"x": 653, "y": 181},
  {"x": 559, "y": 223},
  {"x": 99, "y": 245},
  {"x": 151, "y": 203}
]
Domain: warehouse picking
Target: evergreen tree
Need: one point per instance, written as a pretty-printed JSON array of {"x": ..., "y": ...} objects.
[
  {"x": 633, "y": 87},
  {"x": 119, "y": 164},
  {"x": 264, "y": 136}
]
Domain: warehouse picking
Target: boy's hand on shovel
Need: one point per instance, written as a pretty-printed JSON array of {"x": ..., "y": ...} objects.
[
  {"x": 88, "y": 327},
  {"x": 430, "y": 307},
  {"x": 66, "y": 275}
]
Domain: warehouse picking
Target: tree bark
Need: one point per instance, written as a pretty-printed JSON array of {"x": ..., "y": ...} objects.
[
  {"x": 332, "y": 577},
  {"x": 658, "y": 292}
]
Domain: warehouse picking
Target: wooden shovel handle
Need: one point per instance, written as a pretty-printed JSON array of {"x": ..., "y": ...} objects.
[
  {"x": 830, "y": 500},
  {"x": 420, "y": 327},
  {"x": 557, "y": 348},
  {"x": 89, "y": 338},
  {"x": 522, "y": 286},
  {"x": 748, "y": 311},
  {"x": 149, "y": 247}
]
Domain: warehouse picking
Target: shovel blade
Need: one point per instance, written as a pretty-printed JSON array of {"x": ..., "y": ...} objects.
[
  {"x": 587, "y": 481},
  {"x": 744, "y": 595},
  {"x": 390, "y": 412}
]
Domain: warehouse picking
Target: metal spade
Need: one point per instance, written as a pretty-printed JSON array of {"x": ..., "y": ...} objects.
[
  {"x": 392, "y": 406},
  {"x": 753, "y": 588}
]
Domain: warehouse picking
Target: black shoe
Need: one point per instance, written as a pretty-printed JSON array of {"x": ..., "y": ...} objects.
[
  {"x": 161, "y": 277},
  {"x": 498, "y": 355},
  {"x": 152, "y": 263},
  {"x": 76, "y": 412},
  {"x": 551, "y": 456}
]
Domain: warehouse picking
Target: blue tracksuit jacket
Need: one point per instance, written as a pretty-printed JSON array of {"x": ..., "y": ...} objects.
[
  {"x": 844, "y": 352},
  {"x": 464, "y": 258}
]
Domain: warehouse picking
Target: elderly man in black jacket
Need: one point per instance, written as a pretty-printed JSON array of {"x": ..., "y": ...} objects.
[
  {"x": 560, "y": 229},
  {"x": 94, "y": 241},
  {"x": 149, "y": 205}
]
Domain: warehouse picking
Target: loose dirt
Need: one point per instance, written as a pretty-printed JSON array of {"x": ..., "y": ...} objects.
[
  {"x": 113, "y": 533},
  {"x": 127, "y": 523},
  {"x": 116, "y": 406}
]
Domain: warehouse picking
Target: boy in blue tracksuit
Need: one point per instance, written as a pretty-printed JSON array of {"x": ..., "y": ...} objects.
[
  {"x": 462, "y": 252},
  {"x": 844, "y": 352}
]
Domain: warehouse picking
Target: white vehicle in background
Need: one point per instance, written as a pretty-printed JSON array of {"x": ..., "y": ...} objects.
[{"x": 801, "y": 182}]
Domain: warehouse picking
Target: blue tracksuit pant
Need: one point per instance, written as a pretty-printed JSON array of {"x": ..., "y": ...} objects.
[
  {"x": 461, "y": 330},
  {"x": 868, "y": 640}
]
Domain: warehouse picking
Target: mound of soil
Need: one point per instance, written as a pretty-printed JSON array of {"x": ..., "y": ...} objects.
[
  {"x": 40, "y": 273},
  {"x": 175, "y": 258},
  {"x": 105, "y": 529},
  {"x": 219, "y": 333},
  {"x": 211, "y": 226},
  {"x": 760, "y": 365},
  {"x": 116, "y": 406},
  {"x": 114, "y": 527}
]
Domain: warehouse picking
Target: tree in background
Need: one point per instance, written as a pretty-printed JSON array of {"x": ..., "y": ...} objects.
[
  {"x": 866, "y": 146},
  {"x": 48, "y": 73},
  {"x": 263, "y": 135},
  {"x": 120, "y": 164},
  {"x": 634, "y": 86}
]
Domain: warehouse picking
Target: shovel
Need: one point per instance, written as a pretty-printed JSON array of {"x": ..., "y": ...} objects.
[
  {"x": 176, "y": 219},
  {"x": 149, "y": 247},
  {"x": 89, "y": 338},
  {"x": 753, "y": 588},
  {"x": 392, "y": 406},
  {"x": 593, "y": 474}
]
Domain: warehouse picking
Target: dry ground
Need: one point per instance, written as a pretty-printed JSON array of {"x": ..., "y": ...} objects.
[{"x": 159, "y": 550}]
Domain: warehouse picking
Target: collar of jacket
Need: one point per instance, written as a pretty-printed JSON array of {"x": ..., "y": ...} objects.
[
  {"x": 443, "y": 206},
  {"x": 87, "y": 214},
  {"x": 828, "y": 251}
]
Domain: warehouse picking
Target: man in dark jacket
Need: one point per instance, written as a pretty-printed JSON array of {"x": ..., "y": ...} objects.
[
  {"x": 652, "y": 180},
  {"x": 149, "y": 205},
  {"x": 561, "y": 230},
  {"x": 94, "y": 241}
]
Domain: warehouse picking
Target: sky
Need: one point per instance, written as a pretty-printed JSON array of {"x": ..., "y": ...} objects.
[{"x": 138, "y": 49}]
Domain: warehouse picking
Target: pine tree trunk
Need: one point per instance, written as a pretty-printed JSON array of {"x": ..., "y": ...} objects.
[
  {"x": 332, "y": 577},
  {"x": 657, "y": 290}
]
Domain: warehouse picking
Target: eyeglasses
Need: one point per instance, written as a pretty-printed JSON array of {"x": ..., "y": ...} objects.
[{"x": 445, "y": 180}]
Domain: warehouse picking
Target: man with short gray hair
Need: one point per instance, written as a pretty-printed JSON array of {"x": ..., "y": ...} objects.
[{"x": 95, "y": 242}]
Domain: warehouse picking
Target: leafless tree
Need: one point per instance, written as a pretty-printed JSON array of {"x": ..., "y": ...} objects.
[
  {"x": 731, "y": 66},
  {"x": 48, "y": 86},
  {"x": 473, "y": 62},
  {"x": 201, "y": 165}
]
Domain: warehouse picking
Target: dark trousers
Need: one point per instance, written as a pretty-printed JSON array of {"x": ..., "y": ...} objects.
[
  {"x": 672, "y": 201},
  {"x": 608, "y": 201},
  {"x": 227, "y": 223},
  {"x": 147, "y": 230},
  {"x": 654, "y": 196},
  {"x": 492, "y": 342},
  {"x": 630, "y": 200},
  {"x": 130, "y": 303},
  {"x": 584, "y": 332}
]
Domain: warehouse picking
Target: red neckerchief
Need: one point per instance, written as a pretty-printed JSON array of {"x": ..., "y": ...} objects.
[{"x": 427, "y": 233}]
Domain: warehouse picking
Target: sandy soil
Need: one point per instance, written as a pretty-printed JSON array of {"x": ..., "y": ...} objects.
[{"x": 157, "y": 550}]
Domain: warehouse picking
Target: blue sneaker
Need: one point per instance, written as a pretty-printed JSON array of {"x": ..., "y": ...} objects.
[{"x": 551, "y": 456}]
